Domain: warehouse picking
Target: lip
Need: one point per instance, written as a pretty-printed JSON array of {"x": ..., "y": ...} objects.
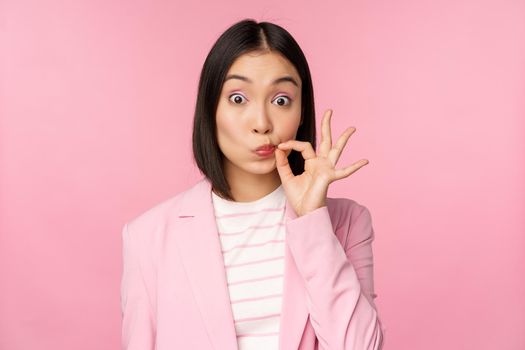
[
  {"x": 265, "y": 147},
  {"x": 265, "y": 150}
]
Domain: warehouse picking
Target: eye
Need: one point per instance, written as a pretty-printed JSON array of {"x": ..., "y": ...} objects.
[
  {"x": 236, "y": 100},
  {"x": 283, "y": 98}
]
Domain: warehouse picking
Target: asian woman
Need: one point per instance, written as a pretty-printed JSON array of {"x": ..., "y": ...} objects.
[{"x": 254, "y": 255}]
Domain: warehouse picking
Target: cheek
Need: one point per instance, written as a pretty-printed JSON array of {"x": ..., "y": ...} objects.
[
  {"x": 289, "y": 129},
  {"x": 290, "y": 126},
  {"x": 227, "y": 133}
]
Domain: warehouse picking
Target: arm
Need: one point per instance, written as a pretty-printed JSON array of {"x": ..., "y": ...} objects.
[
  {"x": 338, "y": 280},
  {"x": 138, "y": 327}
]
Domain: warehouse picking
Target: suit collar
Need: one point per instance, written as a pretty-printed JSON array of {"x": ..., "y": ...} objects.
[{"x": 200, "y": 250}]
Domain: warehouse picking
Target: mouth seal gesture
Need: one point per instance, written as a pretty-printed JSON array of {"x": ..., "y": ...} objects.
[{"x": 308, "y": 191}]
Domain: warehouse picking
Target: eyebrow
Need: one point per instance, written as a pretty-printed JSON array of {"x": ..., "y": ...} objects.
[{"x": 286, "y": 78}]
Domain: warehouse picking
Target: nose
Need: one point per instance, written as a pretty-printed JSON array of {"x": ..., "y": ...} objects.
[{"x": 261, "y": 120}]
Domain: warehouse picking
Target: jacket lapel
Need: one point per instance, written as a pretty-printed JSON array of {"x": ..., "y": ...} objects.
[{"x": 195, "y": 231}]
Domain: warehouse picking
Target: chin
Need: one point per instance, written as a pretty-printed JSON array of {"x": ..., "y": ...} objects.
[
  {"x": 261, "y": 167},
  {"x": 258, "y": 167}
]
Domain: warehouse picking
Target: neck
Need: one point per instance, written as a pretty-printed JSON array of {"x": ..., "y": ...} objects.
[{"x": 248, "y": 187}]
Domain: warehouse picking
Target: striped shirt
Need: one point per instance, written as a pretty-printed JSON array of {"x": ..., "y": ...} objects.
[{"x": 252, "y": 236}]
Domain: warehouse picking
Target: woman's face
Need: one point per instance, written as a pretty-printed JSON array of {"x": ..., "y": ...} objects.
[{"x": 254, "y": 110}]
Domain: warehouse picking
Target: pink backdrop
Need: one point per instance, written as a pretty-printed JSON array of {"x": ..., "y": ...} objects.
[{"x": 96, "y": 111}]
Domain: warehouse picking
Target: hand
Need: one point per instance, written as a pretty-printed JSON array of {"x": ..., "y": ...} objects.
[{"x": 308, "y": 191}]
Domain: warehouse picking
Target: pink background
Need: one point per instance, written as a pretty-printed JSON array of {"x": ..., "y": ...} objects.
[{"x": 96, "y": 108}]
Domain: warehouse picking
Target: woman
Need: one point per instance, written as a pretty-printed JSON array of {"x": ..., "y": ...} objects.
[{"x": 254, "y": 255}]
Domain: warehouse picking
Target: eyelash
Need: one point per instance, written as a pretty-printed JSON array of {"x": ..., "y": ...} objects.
[{"x": 280, "y": 96}]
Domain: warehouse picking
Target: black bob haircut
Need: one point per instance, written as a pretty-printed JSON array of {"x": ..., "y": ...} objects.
[{"x": 243, "y": 37}]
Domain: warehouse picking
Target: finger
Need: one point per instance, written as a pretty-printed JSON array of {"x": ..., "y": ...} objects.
[
  {"x": 304, "y": 147},
  {"x": 342, "y": 173},
  {"x": 326, "y": 142},
  {"x": 336, "y": 151},
  {"x": 283, "y": 167}
]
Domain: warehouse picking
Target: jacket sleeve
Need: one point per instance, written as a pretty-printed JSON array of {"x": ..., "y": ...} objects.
[
  {"x": 338, "y": 280},
  {"x": 138, "y": 327}
]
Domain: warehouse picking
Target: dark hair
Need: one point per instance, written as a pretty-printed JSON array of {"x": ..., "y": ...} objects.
[{"x": 242, "y": 37}]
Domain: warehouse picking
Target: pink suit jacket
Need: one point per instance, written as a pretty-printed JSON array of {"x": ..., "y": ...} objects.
[{"x": 174, "y": 293}]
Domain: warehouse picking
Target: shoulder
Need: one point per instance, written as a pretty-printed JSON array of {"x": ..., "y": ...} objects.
[
  {"x": 157, "y": 216},
  {"x": 342, "y": 209},
  {"x": 351, "y": 220}
]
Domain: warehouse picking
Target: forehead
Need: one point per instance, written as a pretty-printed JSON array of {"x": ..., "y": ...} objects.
[{"x": 262, "y": 67}]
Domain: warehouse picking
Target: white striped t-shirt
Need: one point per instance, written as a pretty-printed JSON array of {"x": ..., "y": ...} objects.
[{"x": 252, "y": 236}]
